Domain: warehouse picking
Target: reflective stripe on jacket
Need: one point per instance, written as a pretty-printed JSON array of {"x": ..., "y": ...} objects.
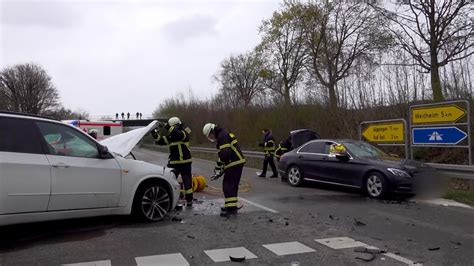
[{"x": 229, "y": 149}]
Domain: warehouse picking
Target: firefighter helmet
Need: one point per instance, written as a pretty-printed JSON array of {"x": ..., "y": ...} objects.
[
  {"x": 337, "y": 149},
  {"x": 173, "y": 121},
  {"x": 206, "y": 130}
]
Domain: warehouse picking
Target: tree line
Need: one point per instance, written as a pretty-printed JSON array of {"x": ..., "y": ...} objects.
[
  {"x": 329, "y": 65},
  {"x": 28, "y": 88}
]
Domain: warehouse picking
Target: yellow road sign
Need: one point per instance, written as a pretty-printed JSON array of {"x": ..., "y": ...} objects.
[
  {"x": 449, "y": 113},
  {"x": 385, "y": 133}
]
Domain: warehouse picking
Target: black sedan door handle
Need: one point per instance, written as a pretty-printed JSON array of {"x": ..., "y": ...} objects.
[{"x": 300, "y": 156}]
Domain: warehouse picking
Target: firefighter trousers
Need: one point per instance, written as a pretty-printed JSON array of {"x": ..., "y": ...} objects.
[
  {"x": 269, "y": 160},
  {"x": 185, "y": 171},
  {"x": 230, "y": 186}
]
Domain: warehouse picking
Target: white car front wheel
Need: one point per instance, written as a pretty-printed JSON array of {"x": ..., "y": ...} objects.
[{"x": 152, "y": 202}]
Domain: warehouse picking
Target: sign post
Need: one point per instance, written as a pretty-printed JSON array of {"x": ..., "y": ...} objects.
[
  {"x": 438, "y": 125},
  {"x": 391, "y": 132}
]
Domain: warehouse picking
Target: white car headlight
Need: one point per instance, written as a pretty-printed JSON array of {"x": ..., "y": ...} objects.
[{"x": 398, "y": 172}]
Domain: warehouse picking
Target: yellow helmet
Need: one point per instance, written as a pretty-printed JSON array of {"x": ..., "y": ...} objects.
[{"x": 337, "y": 148}]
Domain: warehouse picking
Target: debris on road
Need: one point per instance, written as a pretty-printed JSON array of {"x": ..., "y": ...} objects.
[
  {"x": 237, "y": 259},
  {"x": 434, "y": 248},
  {"x": 335, "y": 218},
  {"x": 371, "y": 250},
  {"x": 287, "y": 223},
  {"x": 176, "y": 219},
  {"x": 456, "y": 243},
  {"x": 191, "y": 237},
  {"x": 270, "y": 220},
  {"x": 359, "y": 223},
  {"x": 366, "y": 257}
]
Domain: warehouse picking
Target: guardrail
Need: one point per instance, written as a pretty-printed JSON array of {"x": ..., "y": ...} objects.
[{"x": 449, "y": 170}]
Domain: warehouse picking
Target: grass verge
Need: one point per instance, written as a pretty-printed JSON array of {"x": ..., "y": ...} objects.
[{"x": 463, "y": 196}]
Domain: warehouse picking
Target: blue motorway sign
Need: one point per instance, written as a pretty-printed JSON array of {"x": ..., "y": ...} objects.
[{"x": 437, "y": 135}]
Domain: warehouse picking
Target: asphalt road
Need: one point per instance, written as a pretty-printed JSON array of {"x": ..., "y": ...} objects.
[{"x": 272, "y": 213}]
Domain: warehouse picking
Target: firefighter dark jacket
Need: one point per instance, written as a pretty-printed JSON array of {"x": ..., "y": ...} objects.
[
  {"x": 268, "y": 144},
  {"x": 230, "y": 153},
  {"x": 177, "y": 139}
]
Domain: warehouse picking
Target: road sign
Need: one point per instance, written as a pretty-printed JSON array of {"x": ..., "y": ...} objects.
[
  {"x": 385, "y": 133},
  {"x": 448, "y": 113},
  {"x": 437, "y": 136}
]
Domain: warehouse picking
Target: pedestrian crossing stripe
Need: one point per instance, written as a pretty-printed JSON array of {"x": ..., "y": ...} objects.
[
  {"x": 222, "y": 255},
  {"x": 288, "y": 248},
  {"x": 176, "y": 259}
]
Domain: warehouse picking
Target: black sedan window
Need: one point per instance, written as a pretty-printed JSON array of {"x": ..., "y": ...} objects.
[
  {"x": 364, "y": 149},
  {"x": 314, "y": 147}
]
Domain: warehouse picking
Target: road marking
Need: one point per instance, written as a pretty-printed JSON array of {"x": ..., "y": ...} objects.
[
  {"x": 402, "y": 259},
  {"x": 347, "y": 242},
  {"x": 92, "y": 263},
  {"x": 446, "y": 203},
  {"x": 340, "y": 242},
  {"x": 162, "y": 260},
  {"x": 288, "y": 248},
  {"x": 221, "y": 255},
  {"x": 258, "y": 205}
]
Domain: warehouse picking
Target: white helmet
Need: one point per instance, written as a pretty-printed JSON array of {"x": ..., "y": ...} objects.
[
  {"x": 206, "y": 130},
  {"x": 173, "y": 121}
]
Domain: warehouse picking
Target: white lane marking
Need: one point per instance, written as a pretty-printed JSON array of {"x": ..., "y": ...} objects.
[
  {"x": 340, "y": 242},
  {"x": 258, "y": 205},
  {"x": 162, "y": 260},
  {"x": 220, "y": 255},
  {"x": 92, "y": 263},
  {"x": 446, "y": 203},
  {"x": 288, "y": 248},
  {"x": 402, "y": 259}
]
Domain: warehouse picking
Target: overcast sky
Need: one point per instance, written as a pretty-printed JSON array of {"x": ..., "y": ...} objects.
[{"x": 128, "y": 55}]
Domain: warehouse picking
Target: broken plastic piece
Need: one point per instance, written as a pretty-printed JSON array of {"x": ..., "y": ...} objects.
[
  {"x": 434, "y": 248},
  {"x": 359, "y": 223},
  {"x": 237, "y": 259},
  {"x": 366, "y": 257}
]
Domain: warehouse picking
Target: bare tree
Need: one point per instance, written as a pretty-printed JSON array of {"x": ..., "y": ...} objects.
[
  {"x": 337, "y": 34},
  {"x": 27, "y": 88},
  {"x": 434, "y": 33},
  {"x": 240, "y": 79},
  {"x": 282, "y": 44}
]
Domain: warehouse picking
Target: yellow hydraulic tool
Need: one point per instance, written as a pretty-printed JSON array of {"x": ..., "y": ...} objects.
[{"x": 199, "y": 183}]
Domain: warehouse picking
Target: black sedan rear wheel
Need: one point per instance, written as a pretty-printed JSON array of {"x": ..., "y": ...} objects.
[
  {"x": 295, "y": 176},
  {"x": 376, "y": 185}
]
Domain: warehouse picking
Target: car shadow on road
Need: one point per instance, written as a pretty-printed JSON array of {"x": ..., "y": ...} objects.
[
  {"x": 15, "y": 237},
  {"x": 352, "y": 194}
]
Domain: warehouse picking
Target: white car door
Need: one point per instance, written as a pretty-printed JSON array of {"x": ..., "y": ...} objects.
[
  {"x": 25, "y": 175},
  {"x": 80, "y": 178}
]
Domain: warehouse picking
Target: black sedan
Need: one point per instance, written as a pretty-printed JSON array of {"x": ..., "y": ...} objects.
[{"x": 358, "y": 165}]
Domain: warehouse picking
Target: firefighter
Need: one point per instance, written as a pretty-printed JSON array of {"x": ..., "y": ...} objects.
[
  {"x": 337, "y": 149},
  {"x": 283, "y": 147},
  {"x": 176, "y": 136},
  {"x": 268, "y": 145},
  {"x": 230, "y": 164},
  {"x": 93, "y": 133}
]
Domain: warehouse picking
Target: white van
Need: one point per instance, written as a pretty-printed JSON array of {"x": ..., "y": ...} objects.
[{"x": 104, "y": 129}]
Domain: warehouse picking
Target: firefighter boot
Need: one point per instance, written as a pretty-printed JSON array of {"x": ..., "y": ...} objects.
[{"x": 228, "y": 212}]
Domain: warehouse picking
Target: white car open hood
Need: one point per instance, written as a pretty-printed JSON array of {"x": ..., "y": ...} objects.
[{"x": 123, "y": 144}]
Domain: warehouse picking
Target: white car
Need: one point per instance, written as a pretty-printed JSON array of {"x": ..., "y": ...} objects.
[{"x": 50, "y": 170}]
